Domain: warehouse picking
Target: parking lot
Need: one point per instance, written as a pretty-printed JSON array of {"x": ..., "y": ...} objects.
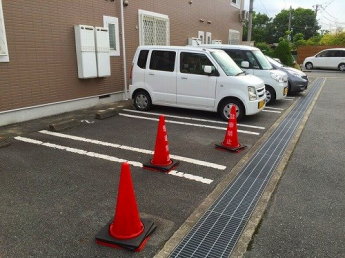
[{"x": 59, "y": 188}]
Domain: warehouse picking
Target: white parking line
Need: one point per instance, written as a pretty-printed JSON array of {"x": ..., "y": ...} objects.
[
  {"x": 111, "y": 158},
  {"x": 189, "y": 124},
  {"x": 289, "y": 98},
  {"x": 192, "y": 118},
  {"x": 271, "y": 111},
  {"x": 123, "y": 147},
  {"x": 274, "y": 108}
]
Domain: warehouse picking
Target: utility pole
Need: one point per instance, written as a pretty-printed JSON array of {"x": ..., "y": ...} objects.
[
  {"x": 289, "y": 29},
  {"x": 290, "y": 17},
  {"x": 250, "y": 20},
  {"x": 316, "y": 9}
]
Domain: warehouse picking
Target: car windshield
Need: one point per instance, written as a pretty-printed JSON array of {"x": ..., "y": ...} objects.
[
  {"x": 274, "y": 62},
  {"x": 262, "y": 60},
  {"x": 226, "y": 63}
]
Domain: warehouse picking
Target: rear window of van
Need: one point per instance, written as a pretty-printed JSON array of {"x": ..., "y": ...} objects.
[{"x": 142, "y": 59}]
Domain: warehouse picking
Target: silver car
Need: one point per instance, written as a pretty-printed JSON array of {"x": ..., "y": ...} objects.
[{"x": 298, "y": 80}]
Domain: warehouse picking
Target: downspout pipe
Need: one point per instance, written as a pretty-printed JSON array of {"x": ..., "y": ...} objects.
[{"x": 124, "y": 49}]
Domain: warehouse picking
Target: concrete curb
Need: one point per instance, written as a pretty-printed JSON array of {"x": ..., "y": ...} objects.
[{"x": 64, "y": 125}]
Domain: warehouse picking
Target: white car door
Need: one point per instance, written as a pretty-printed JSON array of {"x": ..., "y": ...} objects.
[
  {"x": 321, "y": 60},
  {"x": 160, "y": 77},
  {"x": 194, "y": 87}
]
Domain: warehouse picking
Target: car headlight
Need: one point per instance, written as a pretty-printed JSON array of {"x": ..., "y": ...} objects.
[
  {"x": 297, "y": 75},
  {"x": 277, "y": 77},
  {"x": 252, "y": 93}
]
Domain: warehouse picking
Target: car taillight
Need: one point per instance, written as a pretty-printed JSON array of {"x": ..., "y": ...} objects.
[{"x": 131, "y": 73}]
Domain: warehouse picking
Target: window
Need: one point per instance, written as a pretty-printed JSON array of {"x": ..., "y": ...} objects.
[
  {"x": 142, "y": 59},
  {"x": 194, "y": 63},
  {"x": 3, "y": 41},
  {"x": 112, "y": 23},
  {"x": 234, "y": 37},
  {"x": 163, "y": 60},
  {"x": 235, "y": 55},
  {"x": 154, "y": 29},
  {"x": 323, "y": 54},
  {"x": 236, "y": 3}
]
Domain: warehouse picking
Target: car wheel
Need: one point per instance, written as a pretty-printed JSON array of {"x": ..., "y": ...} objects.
[
  {"x": 225, "y": 109},
  {"x": 309, "y": 66},
  {"x": 341, "y": 67},
  {"x": 142, "y": 100},
  {"x": 289, "y": 88},
  {"x": 270, "y": 95}
]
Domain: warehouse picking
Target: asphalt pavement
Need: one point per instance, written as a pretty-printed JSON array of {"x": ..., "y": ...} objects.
[{"x": 306, "y": 216}]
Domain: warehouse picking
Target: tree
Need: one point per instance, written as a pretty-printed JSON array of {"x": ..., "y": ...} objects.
[
  {"x": 283, "y": 52},
  {"x": 303, "y": 21},
  {"x": 260, "y": 23},
  {"x": 333, "y": 39}
]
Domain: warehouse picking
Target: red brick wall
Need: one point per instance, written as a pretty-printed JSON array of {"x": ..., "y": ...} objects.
[{"x": 41, "y": 44}]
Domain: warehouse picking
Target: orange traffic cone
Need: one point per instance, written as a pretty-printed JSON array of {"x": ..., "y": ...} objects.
[
  {"x": 161, "y": 158},
  {"x": 126, "y": 230},
  {"x": 230, "y": 142}
]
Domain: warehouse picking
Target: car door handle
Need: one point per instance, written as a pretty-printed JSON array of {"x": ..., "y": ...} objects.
[
  {"x": 151, "y": 74},
  {"x": 184, "y": 78}
]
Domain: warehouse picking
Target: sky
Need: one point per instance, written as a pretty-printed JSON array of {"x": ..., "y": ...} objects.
[{"x": 330, "y": 14}]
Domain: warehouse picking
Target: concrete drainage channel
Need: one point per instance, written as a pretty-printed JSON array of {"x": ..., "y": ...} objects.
[{"x": 219, "y": 229}]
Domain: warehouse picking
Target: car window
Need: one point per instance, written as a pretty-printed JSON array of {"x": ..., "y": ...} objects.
[
  {"x": 252, "y": 61},
  {"x": 339, "y": 53},
  {"x": 235, "y": 55},
  {"x": 142, "y": 58},
  {"x": 194, "y": 63},
  {"x": 228, "y": 65},
  {"x": 323, "y": 54},
  {"x": 162, "y": 60}
]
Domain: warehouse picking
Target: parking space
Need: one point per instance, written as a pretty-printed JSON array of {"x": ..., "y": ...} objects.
[{"x": 59, "y": 188}]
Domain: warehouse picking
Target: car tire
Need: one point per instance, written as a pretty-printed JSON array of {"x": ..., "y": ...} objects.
[
  {"x": 225, "y": 109},
  {"x": 142, "y": 100},
  {"x": 341, "y": 67},
  {"x": 309, "y": 66},
  {"x": 270, "y": 95}
]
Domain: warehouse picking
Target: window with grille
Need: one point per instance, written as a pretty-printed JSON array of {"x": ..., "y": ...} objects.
[
  {"x": 154, "y": 29},
  {"x": 234, "y": 37},
  {"x": 112, "y": 23},
  {"x": 3, "y": 41}
]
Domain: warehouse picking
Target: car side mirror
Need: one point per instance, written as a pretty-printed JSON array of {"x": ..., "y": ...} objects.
[
  {"x": 208, "y": 69},
  {"x": 245, "y": 64}
]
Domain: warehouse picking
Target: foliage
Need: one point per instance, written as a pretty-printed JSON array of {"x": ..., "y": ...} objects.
[
  {"x": 265, "y": 29},
  {"x": 265, "y": 48},
  {"x": 260, "y": 22},
  {"x": 333, "y": 39},
  {"x": 283, "y": 52},
  {"x": 314, "y": 41}
]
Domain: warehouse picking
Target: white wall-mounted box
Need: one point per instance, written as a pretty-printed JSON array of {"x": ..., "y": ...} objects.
[
  {"x": 102, "y": 51},
  {"x": 86, "y": 51}
]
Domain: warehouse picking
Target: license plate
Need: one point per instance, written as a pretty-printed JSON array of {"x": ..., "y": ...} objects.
[
  {"x": 261, "y": 104},
  {"x": 285, "y": 90}
]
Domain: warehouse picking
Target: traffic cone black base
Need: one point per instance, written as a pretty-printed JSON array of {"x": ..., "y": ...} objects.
[
  {"x": 135, "y": 244},
  {"x": 225, "y": 148},
  {"x": 150, "y": 166}
]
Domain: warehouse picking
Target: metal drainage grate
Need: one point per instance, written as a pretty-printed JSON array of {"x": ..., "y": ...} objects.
[{"x": 217, "y": 232}]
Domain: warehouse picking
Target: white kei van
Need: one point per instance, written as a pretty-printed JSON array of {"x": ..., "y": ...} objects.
[
  {"x": 193, "y": 78},
  {"x": 253, "y": 61},
  {"x": 333, "y": 58}
]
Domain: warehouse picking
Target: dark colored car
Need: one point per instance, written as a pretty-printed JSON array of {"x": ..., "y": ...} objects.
[{"x": 298, "y": 80}]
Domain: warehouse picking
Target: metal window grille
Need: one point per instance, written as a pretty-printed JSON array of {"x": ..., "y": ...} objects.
[
  {"x": 112, "y": 36},
  {"x": 3, "y": 42},
  {"x": 234, "y": 37},
  {"x": 155, "y": 30}
]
